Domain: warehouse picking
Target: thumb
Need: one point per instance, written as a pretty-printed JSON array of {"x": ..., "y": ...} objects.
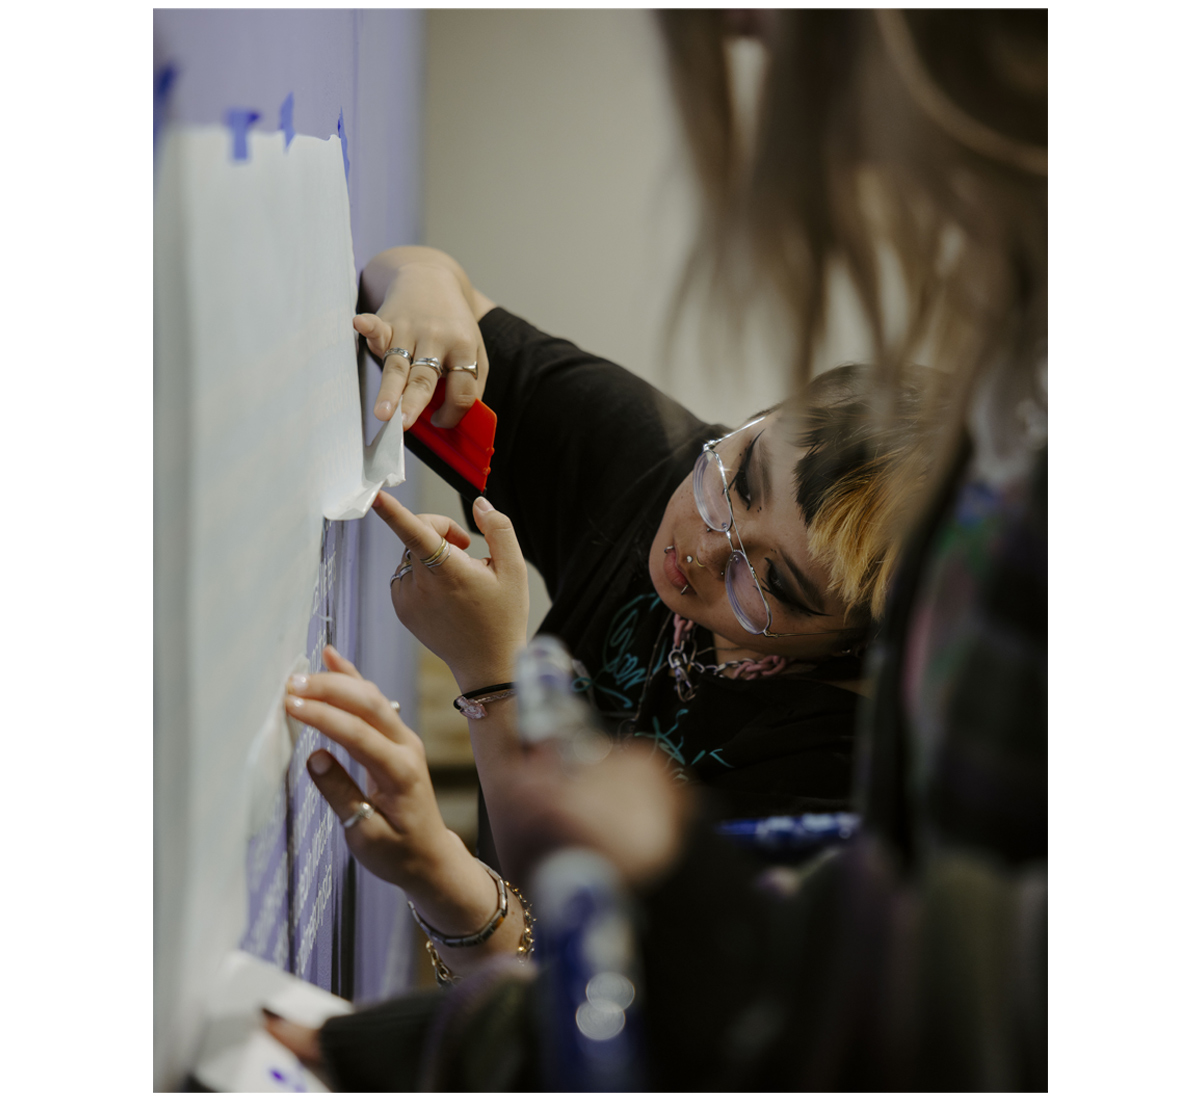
[
  {"x": 497, "y": 528},
  {"x": 377, "y": 331}
]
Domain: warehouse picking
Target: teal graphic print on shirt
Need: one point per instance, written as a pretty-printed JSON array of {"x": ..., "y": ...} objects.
[{"x": 625, "y": 656}]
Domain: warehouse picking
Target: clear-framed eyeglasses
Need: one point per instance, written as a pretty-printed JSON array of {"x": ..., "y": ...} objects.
[{"x": 710, "y": 486}]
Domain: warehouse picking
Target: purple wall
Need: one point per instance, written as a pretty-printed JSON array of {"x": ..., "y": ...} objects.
[{"x": 309, "y": 909}]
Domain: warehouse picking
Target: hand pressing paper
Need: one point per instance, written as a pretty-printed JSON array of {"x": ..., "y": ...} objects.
[{"x": 237, "y": 1054}]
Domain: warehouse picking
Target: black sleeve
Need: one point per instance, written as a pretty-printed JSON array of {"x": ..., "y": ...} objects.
[
  {"x": 573, "y": 432},
  {"x": 379, "y": 1049}
]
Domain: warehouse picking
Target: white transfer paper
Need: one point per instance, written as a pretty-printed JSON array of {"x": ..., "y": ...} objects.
[
  {"x": 237, "y": 1054},
  {"x": 258, "y": 442}
]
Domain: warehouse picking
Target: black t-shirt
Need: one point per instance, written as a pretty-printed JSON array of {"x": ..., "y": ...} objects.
[{"x": 587, "y": 456}]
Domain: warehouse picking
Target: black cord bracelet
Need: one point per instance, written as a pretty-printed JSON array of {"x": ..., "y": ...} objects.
[{"x": 471, "y": 703}]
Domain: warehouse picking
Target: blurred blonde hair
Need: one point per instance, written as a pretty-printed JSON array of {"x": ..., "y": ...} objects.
[{"x": 916, "y": 136}]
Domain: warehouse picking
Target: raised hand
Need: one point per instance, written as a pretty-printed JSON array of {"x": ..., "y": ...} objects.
[
  {"x": 403, "y": 840},
  {"x": 472, "y": 613},
  {"x": 430, "y": 310}
]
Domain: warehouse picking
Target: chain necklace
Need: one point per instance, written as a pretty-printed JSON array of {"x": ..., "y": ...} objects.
[{"x": 684, "y": 662}]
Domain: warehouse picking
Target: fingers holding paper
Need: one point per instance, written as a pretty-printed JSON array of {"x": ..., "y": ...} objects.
[
  {"x": 404, "y": 835},
  {"x": 397, "y": 833},
  {"x": 426, "y": 313}
]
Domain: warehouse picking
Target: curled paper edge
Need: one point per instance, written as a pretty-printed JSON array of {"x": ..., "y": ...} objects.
[
  {"x": 270, "y": 753},
  {"x": 383, "y": 465}
]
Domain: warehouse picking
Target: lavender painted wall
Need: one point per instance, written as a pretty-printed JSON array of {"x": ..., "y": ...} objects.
[{"x": 309, "y": 910}]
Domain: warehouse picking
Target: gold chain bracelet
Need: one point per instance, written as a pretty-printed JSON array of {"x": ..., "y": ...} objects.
[{"x": 446, "y": 976}]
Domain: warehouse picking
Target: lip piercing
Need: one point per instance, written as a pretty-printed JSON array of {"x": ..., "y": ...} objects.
[{"x": 683, "y": 590}]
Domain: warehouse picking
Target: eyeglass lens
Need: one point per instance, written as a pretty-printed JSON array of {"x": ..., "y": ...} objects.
[
  {"x": 708, "y": 487},
  {"x": 744, "y": 597},
  {"x": 709, "y": 491}
]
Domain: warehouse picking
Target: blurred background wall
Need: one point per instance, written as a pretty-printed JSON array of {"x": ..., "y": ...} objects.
[{"x": 554, "y": 172}]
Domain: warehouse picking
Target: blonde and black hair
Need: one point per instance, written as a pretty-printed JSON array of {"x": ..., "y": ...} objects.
[{"x": 856, "y": 472}]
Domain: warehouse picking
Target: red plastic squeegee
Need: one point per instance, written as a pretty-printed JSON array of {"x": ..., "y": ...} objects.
[{"x": 467, "y": 448}]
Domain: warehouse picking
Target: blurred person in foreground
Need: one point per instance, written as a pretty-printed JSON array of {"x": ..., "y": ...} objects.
[{"x": 913, "y": 957}]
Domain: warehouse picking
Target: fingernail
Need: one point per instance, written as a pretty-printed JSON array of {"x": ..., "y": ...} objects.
[
  {"x": 320, "y": 762},
  {"x": 407, "y": 421},
  {"x": 293, "y": 702},
  {"x": 383, "y": 410},
  {"x": 482, "y": 504},
  {"x": 297, "y": 682}
]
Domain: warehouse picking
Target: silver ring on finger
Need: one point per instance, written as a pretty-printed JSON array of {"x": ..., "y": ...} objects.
[
  {"x": 429, "y": 361},
  {"x": 404, "y": 354},
  {"x": 471, "y": 368},
  {"x": 438, "y": 556},
  {"x": 395, "y": 705},
  {"x": 365, "y": 810}
]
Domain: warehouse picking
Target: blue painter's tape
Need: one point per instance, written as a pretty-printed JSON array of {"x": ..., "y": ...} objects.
[
  {"x": 239, "y": 120},
  {"x": 285, "y": 119},
  {"x": 163, "y": 81},
  {"x": 345, "y": 154}
]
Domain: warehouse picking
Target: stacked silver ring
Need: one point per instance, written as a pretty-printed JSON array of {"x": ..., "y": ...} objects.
[
  {"x": 429, "y": 361},
  {"x": 438, "y": 556},
  {"x": 404, "y": 354}
]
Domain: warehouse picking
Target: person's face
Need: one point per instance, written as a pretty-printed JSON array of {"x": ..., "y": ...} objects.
[{"x": 759, "y": 464}]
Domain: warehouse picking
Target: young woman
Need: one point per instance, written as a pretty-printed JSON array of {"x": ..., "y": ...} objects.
[{"x": 714, "y": 585}]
